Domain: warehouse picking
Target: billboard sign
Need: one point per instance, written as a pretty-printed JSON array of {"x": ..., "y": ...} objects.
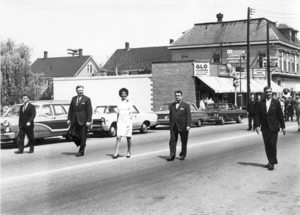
[
  {"x": 234, "y": 56},
  {"x": 259, "y": 73},
  {"x": 201, "y": 69}
]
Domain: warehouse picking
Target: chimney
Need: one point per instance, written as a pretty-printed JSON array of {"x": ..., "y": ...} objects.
[
  {"x": 171, "y": 41},
  {"x": 127, "y": 46},
  {"x": 80, "y": 53},
  {"x": 220, "y": 17},
  {"x": 45, "y": 55}
]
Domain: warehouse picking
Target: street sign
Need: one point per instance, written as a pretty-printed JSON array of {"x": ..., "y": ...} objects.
[
  {"x": 273, "y": 62},
  {"x": 259, "y": 73},
  {"x": 235, "y": 52},
  {"x": 201, "y": 69}
]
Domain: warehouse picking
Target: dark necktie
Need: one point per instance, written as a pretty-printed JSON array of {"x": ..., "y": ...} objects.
[{"x": 78, "y": 100}]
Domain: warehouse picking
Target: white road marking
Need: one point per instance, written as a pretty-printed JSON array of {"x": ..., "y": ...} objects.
[{"x": 138, "y": 155}]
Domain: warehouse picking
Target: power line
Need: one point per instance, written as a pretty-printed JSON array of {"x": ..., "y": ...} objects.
[
  {"x": 281, "y": 17},
  {"x": 288, "y": 14}
]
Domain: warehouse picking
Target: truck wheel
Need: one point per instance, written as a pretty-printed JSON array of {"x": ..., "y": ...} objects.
[
  {"x": 112, "y": 131},
  {"x": 144, "y": 128},
  {"x": 239, "y": 120},
  {"x": 199, "y": 123}
]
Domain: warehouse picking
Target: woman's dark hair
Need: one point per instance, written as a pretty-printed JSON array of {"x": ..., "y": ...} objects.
[{"x": 123, "y": 90}]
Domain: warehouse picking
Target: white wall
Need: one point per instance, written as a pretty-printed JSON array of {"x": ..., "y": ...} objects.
[{"x": 105, "y": 89}]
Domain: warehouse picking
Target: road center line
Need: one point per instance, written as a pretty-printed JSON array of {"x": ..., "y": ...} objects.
[{"x": 134, "y": 156}]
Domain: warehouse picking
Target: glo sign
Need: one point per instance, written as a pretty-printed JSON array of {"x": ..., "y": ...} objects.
[{"x": 201, "y": 69}]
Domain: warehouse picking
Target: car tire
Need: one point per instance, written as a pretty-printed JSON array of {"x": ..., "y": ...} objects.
[
  {"x": 222, "y": 122},
  {"x": 112, "y": 131},
  {"x": 199, "y": 123},
  {"x": 68, "y": 137},
  {"x": 239, "y": 120},
  {"x": 144, "y": 128},
  {"x": 17, "y": 140}
]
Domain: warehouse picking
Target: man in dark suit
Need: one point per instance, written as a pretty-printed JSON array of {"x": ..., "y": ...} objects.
[
  {"x": 251, "y": 112},
  {"x": 26, "y": 124},
  {"x": 270, "y": 118},
  {"x": 80, "y": 117},
  {"x": 180, "y": 122}
]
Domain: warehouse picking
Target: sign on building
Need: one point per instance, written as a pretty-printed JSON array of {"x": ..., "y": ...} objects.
[
  {"x": 201, "y": 69},
  {"x": 236, "y": 56},
  {"x": 273, "y": 62},
  {"x": 224, "y": 71},
  {"x": 259, "y": 73}
]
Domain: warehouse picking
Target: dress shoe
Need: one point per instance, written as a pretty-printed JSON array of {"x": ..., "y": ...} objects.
[
  {"x": 128, "y": 155},
  {"x": 267, "y": 166},
  {"x": 271, "y": 167},
  {"x": 182, "y": 158},
  {"x": 79, "y": 155},
  {"x": 171, "y": 158},
  {"x": 19, "y": 152},
  {"x": 30, "y": 152},
  {"x": 115, "y": 156}
]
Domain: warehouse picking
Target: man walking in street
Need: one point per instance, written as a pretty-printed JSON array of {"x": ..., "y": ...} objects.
[
  {"x": 80, "y": 117},
  {"x": 251, "y": 112},
  {"x": 26, "y": 124},
  {"x": 180, "y": 122},
  {"x": 269, "y": 119},
  {"x": 297, "y": 109}
]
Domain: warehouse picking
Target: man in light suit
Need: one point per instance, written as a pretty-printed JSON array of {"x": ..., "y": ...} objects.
[
  {"x": 180, "y": 122},
  {"x": 269, "y": 119},
  {"x": 80, "y": 117},
  {"x": 26, "y": 124}
]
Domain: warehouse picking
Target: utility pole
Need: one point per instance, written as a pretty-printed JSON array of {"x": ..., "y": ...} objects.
[
  {"x": 268, "y": 56},
  {"x": 248, "y": 57}
]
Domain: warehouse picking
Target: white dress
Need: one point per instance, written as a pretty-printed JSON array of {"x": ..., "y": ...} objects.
[{"x": 124, "y": 124}]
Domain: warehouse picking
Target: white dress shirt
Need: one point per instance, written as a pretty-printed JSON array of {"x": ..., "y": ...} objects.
[{"x": 268, "y": 103}]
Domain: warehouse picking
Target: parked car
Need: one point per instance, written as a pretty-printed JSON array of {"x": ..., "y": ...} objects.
[
  {"x": 105, "y": 120},
  {"x": 198, "y": 116},
  {"x": 50, "y": 120},
  {"x": 224, "y": 112}
]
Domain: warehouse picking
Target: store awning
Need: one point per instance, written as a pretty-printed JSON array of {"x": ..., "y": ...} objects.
[
  {"x": 275, "y": 87},
  {"x": 225, "y": 85},
  {"x": 219, "y": 85}
]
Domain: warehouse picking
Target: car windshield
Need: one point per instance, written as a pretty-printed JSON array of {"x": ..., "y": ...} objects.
[
  {"x": 15, "y": 110},
  {"x": 105, "y": 109},
  {"x": 215, "y": 106},
  {"x": 164, "y": 107}
]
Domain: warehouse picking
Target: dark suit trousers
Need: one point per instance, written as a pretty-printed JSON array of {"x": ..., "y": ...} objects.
[
  {"x": 251, "y": 121},
  {"x": 270, "y": 140},
  {"x": 173, "y": 141},
  {"x": 29, "y": 132},
  {"x": 81, "y": 131}
]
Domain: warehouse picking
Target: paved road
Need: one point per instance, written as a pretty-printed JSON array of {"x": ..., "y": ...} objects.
[{"x": 223, "y": 174}]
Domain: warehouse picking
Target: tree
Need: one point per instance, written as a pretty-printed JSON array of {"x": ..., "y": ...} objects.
[
  {"x": 48, "y": 93},
  {"x": 16, "y": 75}
]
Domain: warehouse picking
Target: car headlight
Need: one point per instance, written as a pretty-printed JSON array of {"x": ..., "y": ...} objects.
[
  {"x": 7, "y": 129},
  {"x": 6, "y": 123},
  {"x": 102, "y": 120},
  {"x": 216, "y": 114}
]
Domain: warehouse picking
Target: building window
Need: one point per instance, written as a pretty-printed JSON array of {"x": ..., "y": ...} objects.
[
  {"x": 289, "y": 66},
  {"x": 284, "y": 66},
  {"x": 293, "y": 66},
  {"x": 91, "y": 68},
  {"x": 279, "y": 83},
  {"x": 297, "y": 67},
  {"x": 216, "y": 58},
  {"x": 88, "y": 68},
  {"x": 260, "y": 59}
]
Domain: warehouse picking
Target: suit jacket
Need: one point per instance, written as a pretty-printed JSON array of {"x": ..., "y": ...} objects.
[
  {"x": 27, "y": 116},
  {"x": 181, "y": 116},
  {"x": 82, "y": 112},
  {"x": 273, "y": 119}
]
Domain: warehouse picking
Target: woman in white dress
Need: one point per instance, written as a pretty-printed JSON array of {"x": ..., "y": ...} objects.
[{"x": 124, "y": 122}]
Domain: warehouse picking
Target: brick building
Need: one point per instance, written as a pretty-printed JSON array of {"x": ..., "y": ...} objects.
[{"x": 221, "y": 46}]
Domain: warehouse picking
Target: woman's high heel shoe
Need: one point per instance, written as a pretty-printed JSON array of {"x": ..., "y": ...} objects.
[
  {"x": 128, "y": 155},
  {"x": 115, "y": 157}
]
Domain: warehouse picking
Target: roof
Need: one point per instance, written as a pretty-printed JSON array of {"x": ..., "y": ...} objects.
[
  {"x": 137, "y": 58},
  {"x": 230, "y": 32},
  {"x": 59, "y": 66}
]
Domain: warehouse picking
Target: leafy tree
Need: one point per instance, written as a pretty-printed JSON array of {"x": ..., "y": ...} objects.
[
  {"x": 48, "y": 93},
  {"x": 16, "y": 75}
]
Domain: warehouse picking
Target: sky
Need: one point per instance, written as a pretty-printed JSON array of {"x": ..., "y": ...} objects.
[{"x": 99, "y": 27}]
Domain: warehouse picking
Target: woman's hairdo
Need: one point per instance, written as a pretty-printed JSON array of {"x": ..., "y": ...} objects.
[{"x": 123, "y": 90}]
